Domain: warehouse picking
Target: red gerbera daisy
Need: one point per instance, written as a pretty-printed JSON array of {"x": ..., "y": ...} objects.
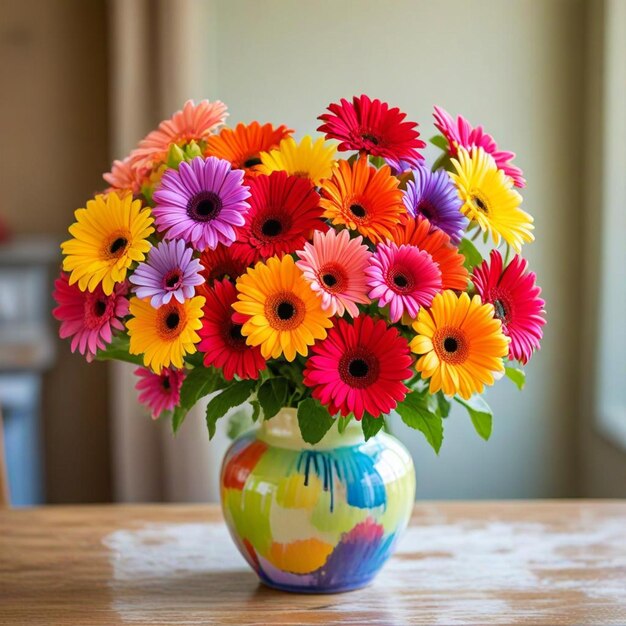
[
  {"x": 419, "y": 232},
  {"x": 515, "y": 298},
  {"x": 219, "y": 263},
  {"x": 371, "y": 126},
  {"x": 360, "y": 367},
  {"x": 284, "y": 212},
  {"x": 220, "y": 337}
]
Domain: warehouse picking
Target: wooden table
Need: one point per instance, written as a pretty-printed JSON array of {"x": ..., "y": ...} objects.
[{"x": 519, "y": 562}]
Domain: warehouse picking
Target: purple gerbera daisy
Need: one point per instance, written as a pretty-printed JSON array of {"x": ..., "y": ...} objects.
[
  {"x": 202, "y": 202},
  {"x": 169, "y": 272},
  {"x": 433, "y": 195}
]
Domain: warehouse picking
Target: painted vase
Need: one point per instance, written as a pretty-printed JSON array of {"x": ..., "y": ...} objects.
[{"x": 317, "y": 518}]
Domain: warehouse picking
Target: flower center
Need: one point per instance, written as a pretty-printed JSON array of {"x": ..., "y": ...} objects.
[
  {"x": 272, "y": 228},
  {"x": 499, "y": 309},
  {"x": 232, "y": 336},
  {"x": 118, "y": 245},
  {"x": 329, "y": 280},
  {"x": 235, "y": 332},
  {"x": 333, "y": 278},
  {"x": 170, "y": 321},
  {"x": 99, "y": 308},
  {"x": 172, "y": 280},
  {"x": 400, "y": 279},
  {"x": 204, "y": 206},
  {"x": 252, "y": 161},
  {"x": 369, "y": 137},
  {"x": 426, "y": 209},
  {"x": 358, "y": 211},
  {"x": 451, "y": 345},
  {"x": 358, "y": 368},
  {"x": 166, "y": 383},
  {"x": 284, "y": 311},
  {"x": 480, "y": 202}
]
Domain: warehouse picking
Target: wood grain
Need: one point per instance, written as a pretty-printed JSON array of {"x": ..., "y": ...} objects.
[{"x": 548, "y": 562}]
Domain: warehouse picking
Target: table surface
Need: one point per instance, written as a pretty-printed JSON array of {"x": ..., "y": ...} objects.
[{"x": 523, "y": 562}]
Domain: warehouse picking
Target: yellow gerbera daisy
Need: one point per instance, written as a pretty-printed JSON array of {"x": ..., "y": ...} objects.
[
  {"x": 489, "y": 198},
  {"x": 278, "y": 310},
  {"x": 108, "y": 236},
  {"x": 164, "y": 335},
  {"x": 312, "y": 160},
  {"x": 462, "y": 344}
]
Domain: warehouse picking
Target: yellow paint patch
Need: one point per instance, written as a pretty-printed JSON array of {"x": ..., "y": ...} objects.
[
  {"x": 299, "y": 557},
  {"x": 294, "y": 494}
]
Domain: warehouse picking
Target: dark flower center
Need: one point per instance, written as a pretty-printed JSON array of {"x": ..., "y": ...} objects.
[
  {"x": 369, "y": 137},
  {"x": 499, "y": 309},
  {"x": 204, "y": 206},
  {"x": 166, "y": 383},
  {"x": 235, "y": 332},
  {"x": 329, "y": 280},
  {"x": 272, "y": 227},
  {"x": 285, "y": 311},
  {"x": 426, "y": 209},
  {"x": 450, "y": 344},
  {"x": 358, "y": 368},
  {"x": 172, "y": 279},
  {"x": 480, "y": 204},
  {"x": 252, "y": 161},
  {"x": 172, "y": 320},
  {"x": 119, "y": 244},
  {"x": 357, "y": 210},
  {"x": 400, "y": 280},
  {"x": 99, "y": 308}
]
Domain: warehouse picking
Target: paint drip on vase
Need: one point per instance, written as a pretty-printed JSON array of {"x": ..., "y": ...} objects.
[{"x": 316, "y": 519}]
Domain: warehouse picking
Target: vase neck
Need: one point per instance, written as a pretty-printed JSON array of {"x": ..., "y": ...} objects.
[{"x": 283, "y": 431}]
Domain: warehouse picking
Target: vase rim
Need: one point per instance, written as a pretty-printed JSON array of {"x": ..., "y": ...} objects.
[{"x": 283, "y": 431}]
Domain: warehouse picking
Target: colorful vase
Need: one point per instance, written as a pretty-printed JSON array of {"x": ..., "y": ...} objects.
[{"x": 317, "y": 518}]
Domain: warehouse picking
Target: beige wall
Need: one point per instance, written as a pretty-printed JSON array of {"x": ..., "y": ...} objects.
[{"x": 53, "y": 134}]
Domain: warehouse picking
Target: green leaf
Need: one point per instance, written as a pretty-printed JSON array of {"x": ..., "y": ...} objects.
[
  {"x": 517, "y": 375},
  {"x": 415, "y": 412},
  {"x": 178, "y": 417},
  {"x": 440, "y": 141},
  {"x": 199, "y": 382},
  {"x": 480, "y": 413},
  {"x": 377, "y": 161},
  {"x": 471, "y": 254},
  {"x": 195, "y": 360},
  {"x": 272, "y": 396},
  {"x": 119, "y": 350},
  {"x": 342, "y": 423},
  {"x": 371, "y": 425},
  {"x": 256, "y": 410},
  {"x": 314, "y": 420},
  {"x": 233, "y": 395},
  {"x": 239, "y": 422},
  {"x": 443, "y": 404}
]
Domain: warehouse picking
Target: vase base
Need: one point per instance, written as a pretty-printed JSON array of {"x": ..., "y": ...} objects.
[{"x": 315, "y": 590}]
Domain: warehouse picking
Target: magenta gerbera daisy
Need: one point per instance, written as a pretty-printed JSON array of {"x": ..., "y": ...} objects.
[
  {"x": 461, "y": 134},
  {"x": 434, "y": 196},
  {"x": 359, "y": 367},
  {"x": 515, "y": 298},
  {"x": 284, "y": 212},
  {"x": 334, "y": 265},
  {"x": 89, "y": 317},
  {"x": 203, "y": 202},
  {"x": 403, "y": 277},
  {"x": 221, "y": 340},
  {"x": 372, "y": 127},
  {"x": 170, "y": 272},
  {"x": 159, "y": 392}
]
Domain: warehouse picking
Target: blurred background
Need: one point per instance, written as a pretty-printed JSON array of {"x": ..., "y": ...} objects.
[{"x": 83, "y": 80}]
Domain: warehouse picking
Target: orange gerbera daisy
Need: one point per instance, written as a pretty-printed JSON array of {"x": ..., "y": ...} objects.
[
  {"x": 363, "y": 198},
  {"x": 194, "y": 122},
  {"x": 419, "y": 232},
  {"x": 243, "y": 145}
]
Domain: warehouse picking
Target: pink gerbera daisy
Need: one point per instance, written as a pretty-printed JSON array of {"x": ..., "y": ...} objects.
[
  {"x": 516, "y": 301},
  {"x": 403, "y": 277},
  {"x": 89, "y": 317},
  {"x": 461, "y": 134},
  {"x": 159, "y": 392},
  {"x": 195, "y": 122},
  {"x": 335, "y": 267},
  {"x": 373, "y": 127},
  {"x": 123, "y": 177},
  {"x": 359, "y": 368}
]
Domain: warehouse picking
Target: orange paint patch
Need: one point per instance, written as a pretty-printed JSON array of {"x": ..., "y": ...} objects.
[
  {"x": 299, "y": 557},
  {"x": 240, "y": 466}
]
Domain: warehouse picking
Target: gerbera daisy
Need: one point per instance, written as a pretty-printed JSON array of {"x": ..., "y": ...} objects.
[
  {"x": 489, "y": 198},
  {"x": 462, "y": 344},
  {"x": 194, "y": 122},
  {"x": 403, "y": 277},
  {"x": 359, "y": 367},
  {"x": 201, "y": 203},
  {"x": 89, "y": 318},
  {"x": 221, "y": 340},
  {"x": 460, "y": 134},
  {"x": 123, "y": 177},
  {"x": 159, "y": 392},
  {"x": 307, "y": 159},
  {"x": 164, "y": 335},
  {"x": 278, "y": 310},
  {"x": 371, "y": 126},
  {"x": 108, "y": 236},
  {"x": 284, "y": 212},
  {"x": 363, "y": 198},
  {"x": 434, "y": 196},
  {"x": 516, "y": 301},
  {"x": 242, "y": 146},
  {"x": 219, "y": 263},
  {"x": 418, "y": 232},
  {"x": 170, "y": 272},
  {"x": 334, "y": 265}
]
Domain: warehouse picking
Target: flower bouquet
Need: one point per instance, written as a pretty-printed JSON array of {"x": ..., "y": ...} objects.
[{"x": 270, "y": 272}]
